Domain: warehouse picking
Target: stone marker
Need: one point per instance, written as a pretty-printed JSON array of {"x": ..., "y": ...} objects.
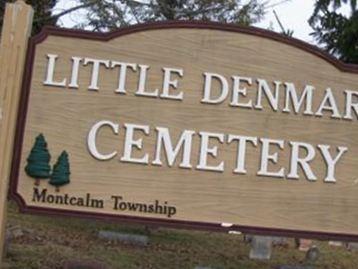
[
  {"x": 304, "y": 244},
  {"x": 335, "y": 243},
  {"x": 312, "y": 254},
  {"x": 261, "y": 247},
  {"x": 140, "y": 240},
  {"x": 352, "y": 246},
  {"x": 279, "y": 241}
]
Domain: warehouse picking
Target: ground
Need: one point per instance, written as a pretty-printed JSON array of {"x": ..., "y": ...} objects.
[{"x": 48, "y": 242}]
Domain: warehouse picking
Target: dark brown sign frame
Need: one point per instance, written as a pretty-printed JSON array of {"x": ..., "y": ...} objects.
[{"x": 156, "y": 221}]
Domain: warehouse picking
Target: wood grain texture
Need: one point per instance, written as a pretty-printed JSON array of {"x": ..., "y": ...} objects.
[
  {"x": 65, "y": 117},
  {"x": 14, "y": 38}
]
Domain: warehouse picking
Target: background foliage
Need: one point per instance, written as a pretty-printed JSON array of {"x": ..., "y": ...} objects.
[{"x": 335, "y": 32}]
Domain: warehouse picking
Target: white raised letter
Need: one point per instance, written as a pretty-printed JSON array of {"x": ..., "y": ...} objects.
[
  {"x": 241, "y": 150},
  {"x": 74, "y": 76},
  {"x": 122, "y": 74},
  {"x": 331, "y": 163},
  {"x": 184, "y": 141},
  {"x": 91, "y": 140},
  {"x": 167, "y": 83},
  {"x": 350, "y": 105},
  {"x": 266, "y": 157},
  {"x": 237, "y": 91},
  {"x": 264, "y": 87},
  {"x": 129, "y": 143},
  {"x": 213, "y": 151},
  {"x": 291, "y": 95},
  {"x": 331, "y": 106},
  {"x": 142, "y": 81},
  {"x": 50, "y": 72},
  {"x": 207, "y": 88},
  {"x": 295, "y": 160},
  {"x": 95, "y": 71}
]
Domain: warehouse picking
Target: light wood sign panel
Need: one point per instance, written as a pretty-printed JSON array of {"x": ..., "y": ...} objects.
[{"x": 190, "y": 125}]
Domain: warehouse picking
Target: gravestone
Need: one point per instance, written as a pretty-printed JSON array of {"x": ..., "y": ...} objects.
[
  {"x": 261, "y": 247},
  {"x": 353, "y": 246},
  {"x": 139, "y": 240},
  {"x": 279, "y": 241},
  {"x": 304, "y": 244},
  {"x": 335, "y": 243},
  {"x": 312, "y": 254}
]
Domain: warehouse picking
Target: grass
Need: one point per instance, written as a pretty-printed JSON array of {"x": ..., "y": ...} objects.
[{"x": 48, "y": 242}]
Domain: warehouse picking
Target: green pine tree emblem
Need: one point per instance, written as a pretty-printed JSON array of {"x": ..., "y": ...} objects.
[
  {"x": 61, "y": 171},
  {"x": 38, "y": 161}
]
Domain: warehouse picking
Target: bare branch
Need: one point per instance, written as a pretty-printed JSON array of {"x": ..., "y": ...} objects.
[{"x": 91, "y": 3}]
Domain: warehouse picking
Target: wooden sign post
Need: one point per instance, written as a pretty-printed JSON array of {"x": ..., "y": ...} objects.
[{"x": 15, "y": 33}]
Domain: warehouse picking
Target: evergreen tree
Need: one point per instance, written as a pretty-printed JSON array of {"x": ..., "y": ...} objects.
[
  {"x": 107, "y": 15},
  {"x": 61, "y": 171},
  {"x": 38, "y": 166},
  {"x": 338, "y": 33}
]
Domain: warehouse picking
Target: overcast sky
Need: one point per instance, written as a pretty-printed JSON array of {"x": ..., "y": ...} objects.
[{"x": 293, "y": 15}]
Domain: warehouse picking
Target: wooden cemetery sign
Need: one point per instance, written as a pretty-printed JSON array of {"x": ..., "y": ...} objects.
[{"x": 192, "y": 125}]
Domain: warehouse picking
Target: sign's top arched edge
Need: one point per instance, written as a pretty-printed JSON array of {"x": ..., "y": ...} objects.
[{"x": 75, "y": 33}]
